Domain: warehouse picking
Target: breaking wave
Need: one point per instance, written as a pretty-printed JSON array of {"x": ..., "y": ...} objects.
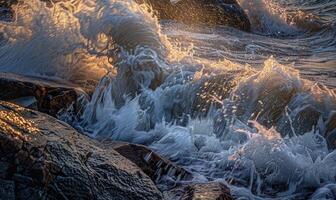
[{"x": 260, "y": 127}]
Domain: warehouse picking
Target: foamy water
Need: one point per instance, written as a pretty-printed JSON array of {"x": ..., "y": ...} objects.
[{"x": 227, "y": 105}]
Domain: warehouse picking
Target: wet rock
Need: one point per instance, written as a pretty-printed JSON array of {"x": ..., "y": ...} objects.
[
  {"x": 48, "y": 96},
  {"x": 212, "y": 91},
  {"x": 6, "y": 12},
  {"x": 150, "y": 162},
  {"x": 331, "y": 131},
  {"x": 303, "y": 121},
  {"x": 201, "y": 191},
  {"x": 210, "y": 12},
  {"x": 48, "y": 159},
  {"x": 7, "y": 190}
]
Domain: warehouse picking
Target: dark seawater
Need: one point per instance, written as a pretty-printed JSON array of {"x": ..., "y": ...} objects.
[{"x": 254, "y": 110}]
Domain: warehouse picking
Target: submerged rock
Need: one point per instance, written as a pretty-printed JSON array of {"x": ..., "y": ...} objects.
[
  {"x": 210, "y": 12},
  {"x": 43, "y": 158},
  {"x": 48, "y": 96}
]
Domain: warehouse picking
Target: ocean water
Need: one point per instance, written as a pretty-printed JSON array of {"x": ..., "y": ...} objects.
[{"x": 254, "y": 110}]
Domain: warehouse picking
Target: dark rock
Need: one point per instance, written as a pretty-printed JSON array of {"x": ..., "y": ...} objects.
[
  {"x": 212, "y": 91},
  {"x": 6, "y": 12},
  {"x": 150, "y": 162},
  {"x": 200, "y": 191},
  {"x": 331, "y": 131},
  {"x": 48, "y": 159},
  {"x": 48, "y": 96},
  {"x": 210, "y": 12},
  {"x": 7, "y": 190},
  {"x": 4, "y": 169},
  {"x": 303, "y": 121}
]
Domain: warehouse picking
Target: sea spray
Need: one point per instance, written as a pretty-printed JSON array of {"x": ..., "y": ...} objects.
[{"x": 261, "y": 128}]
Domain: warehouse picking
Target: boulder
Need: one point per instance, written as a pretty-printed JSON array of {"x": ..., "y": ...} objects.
[
  {"x": 210, "y": 12},
  {"x": 43, "y": 158},
  {"x": 150, "y": 162},
  {"x": 45, "y": 95},
  {"x": 200, "y": 191}
]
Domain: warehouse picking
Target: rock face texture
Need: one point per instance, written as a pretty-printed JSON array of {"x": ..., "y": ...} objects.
[
  {"x": 150, "y": 162},
  {"x": 43, "y": 158},
  {"x": 210, "y": 12},
  {"x": 48, "y": 96}
]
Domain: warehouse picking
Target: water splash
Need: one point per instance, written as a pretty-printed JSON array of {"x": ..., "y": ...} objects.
[
  {"x": 77, "y": 39},
  {"x": 265, "y": 131},
  {"x": 246, "y": 140}
]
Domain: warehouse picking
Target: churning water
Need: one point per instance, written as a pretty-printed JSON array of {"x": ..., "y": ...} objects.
[{"x": 255, "y": 110}]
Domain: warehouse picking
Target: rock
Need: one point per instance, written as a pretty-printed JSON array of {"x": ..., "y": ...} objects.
[
  {"x": 48, "y": 96},
  {"x": 200, "y": 191},
  {"x": 7, "y": 190},
  {"x": 331, "y": 131},
  {"x": 303, "y": 121},
  {"x": 150, "y": 162},
  {"x": 212, "y": 91},
  {"x": 48, "y": 159},
  {"x": 210, "y": 12},
  {"x": 6, "y": 12}
]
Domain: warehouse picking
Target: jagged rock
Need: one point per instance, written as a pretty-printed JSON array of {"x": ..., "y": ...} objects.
[
  {"x": 48, "y": 96},
  {"x": 48, "y": 159},
  {"x": 200, "y": 191},
  {"x": 150, "y": 162},
  {"x": 210, "y": 12}
]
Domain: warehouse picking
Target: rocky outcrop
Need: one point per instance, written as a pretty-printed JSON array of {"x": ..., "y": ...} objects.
[
  {"x": 48, "y": 96},
  {"x": 210, "y": 12},
  {"x": 200, "y": 191},
  {"x": 43, "y": 158},
  {"x": 150, "y": 162}
]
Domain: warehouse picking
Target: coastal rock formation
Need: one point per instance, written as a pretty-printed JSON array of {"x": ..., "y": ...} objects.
[
  {"x": 43, "y": 158},
  {"x": 150, "y": 162},
  {"x": 210, "y": 12},
  {"x": 48, "y": 96}
]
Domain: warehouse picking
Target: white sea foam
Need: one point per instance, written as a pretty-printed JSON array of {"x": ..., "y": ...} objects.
[{"x": 263, "y": 131}]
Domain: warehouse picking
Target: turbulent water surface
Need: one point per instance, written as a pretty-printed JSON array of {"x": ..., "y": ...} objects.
[{"x": 254, "y": 110}]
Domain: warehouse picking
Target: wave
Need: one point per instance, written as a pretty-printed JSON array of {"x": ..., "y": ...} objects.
[
  {"x": 77, "y": 39},
  {"x": 283, "y": 18},
  {"x": 269, "y": 132},
  {"x": 266, "y": 132}
]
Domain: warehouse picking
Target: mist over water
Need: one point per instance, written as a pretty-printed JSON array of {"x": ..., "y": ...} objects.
[{"x": 255, "y": 110}]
